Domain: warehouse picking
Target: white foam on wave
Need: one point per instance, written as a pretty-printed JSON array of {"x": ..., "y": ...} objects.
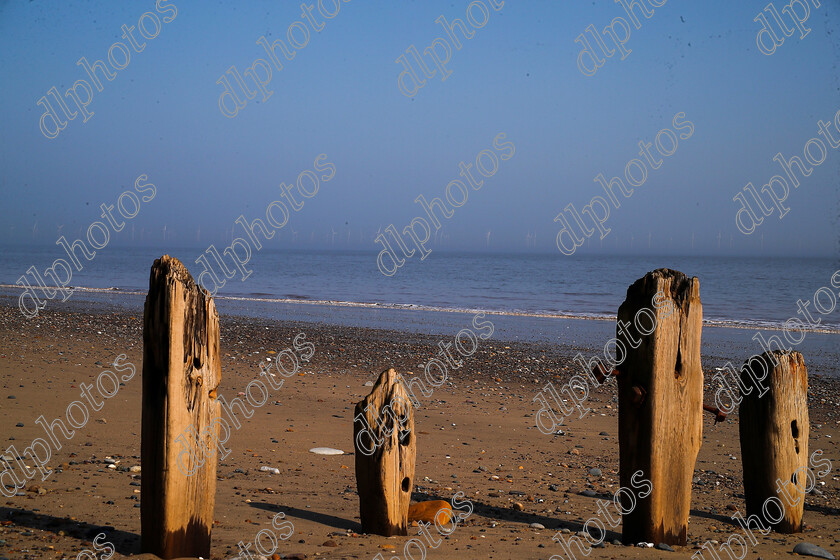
[{"x": 755, "y": 324}]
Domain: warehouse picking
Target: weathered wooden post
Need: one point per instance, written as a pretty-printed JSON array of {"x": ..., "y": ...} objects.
[
  {"x": 773, "y": 425},
  {"x": 181, "y": 371},
  {"x": 660, "y": 403},
  {"x": 383, "y": 436}
]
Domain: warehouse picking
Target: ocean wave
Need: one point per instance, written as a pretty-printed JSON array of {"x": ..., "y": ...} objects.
[
  {"x": 296, "y": 299},
  {"x": 108, "y": 290}
]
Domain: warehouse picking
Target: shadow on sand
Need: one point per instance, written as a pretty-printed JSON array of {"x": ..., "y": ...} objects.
[{"x": 125, "y": 543}]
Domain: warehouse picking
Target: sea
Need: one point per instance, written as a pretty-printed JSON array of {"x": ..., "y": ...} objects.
[{"x": 569, "y": 300}]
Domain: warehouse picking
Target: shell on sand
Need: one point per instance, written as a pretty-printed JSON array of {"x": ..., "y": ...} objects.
[{"x": 326, "y": 451}]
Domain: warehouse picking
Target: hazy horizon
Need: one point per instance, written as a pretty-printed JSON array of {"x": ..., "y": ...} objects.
[
  {"x": 173, "y": 247},
  {"x": 338, "y": 96}
]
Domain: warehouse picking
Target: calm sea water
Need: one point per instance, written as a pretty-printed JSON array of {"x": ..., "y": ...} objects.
[
  {"x": 744, "y": 292},
  {"x": 541, "y": 298}
]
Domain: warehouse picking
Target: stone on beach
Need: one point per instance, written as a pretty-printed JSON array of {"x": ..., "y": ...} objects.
[
  {"x": 808, "y": 549},
  {"x": 429, "y": 511},
  {"x": 326, "y": 451}
]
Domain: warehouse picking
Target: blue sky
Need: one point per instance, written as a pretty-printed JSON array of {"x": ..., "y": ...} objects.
[{"x": 518, "y": 75}]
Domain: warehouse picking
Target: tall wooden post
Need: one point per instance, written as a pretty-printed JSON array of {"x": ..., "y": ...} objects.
[
  {"x": 385, "y": 443},
  {"x": 774, "y": 426},
  {"x": 660, "y": 403},
  {"x": 181, "y": 371}
]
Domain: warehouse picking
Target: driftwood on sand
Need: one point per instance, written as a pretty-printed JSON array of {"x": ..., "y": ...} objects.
[
  {"x": 181, "y": 372},
  {"x": 385, "y": 443},
  {"x": 774, "y": 428},
  {"x": 660, "y": 391}
]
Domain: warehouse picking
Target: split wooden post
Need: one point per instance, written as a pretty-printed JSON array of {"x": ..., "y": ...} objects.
[
  {"x": 383, "y": 436},
  {"x": 773, "y": 425},
  {"x": 660, "y": 403},
  {"x": 181, "y": 372}
]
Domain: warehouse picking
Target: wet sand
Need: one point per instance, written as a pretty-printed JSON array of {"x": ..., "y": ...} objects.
[{"x": 476, "y": 434}]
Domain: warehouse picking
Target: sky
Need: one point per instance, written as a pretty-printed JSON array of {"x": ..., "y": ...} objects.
[{"x": 338, "y": 96}]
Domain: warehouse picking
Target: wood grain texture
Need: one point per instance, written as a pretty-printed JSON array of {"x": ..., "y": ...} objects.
[
  {"x": 774, "y": 430},
  {"x": 181, "y": 372},
  {"x": 661, "y": 434},
  {"x": 385, "y": 477}
]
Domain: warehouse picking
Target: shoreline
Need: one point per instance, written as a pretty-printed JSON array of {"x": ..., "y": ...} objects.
[
  {"x": 114, "y": 292},
  {"x": 559, "y": 355},
  {"x": 720, "y": 343}
]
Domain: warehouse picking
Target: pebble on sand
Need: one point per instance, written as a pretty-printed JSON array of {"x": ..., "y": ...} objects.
[
  {"x": 326, "y": 451},
  {"x": 808, "y": 549}
]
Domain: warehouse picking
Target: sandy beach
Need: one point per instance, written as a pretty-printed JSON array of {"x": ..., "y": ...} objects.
[
  {"x": 476, "y": 434},
  {"x": 559, "y": 243}
]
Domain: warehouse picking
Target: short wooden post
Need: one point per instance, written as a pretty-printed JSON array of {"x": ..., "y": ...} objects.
[
  {"x": 773, "y": 425},
  {"x": 660, "y": 406},
  {"x": 383, "y": 435},
  {"x": 181, "y": 371}
]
